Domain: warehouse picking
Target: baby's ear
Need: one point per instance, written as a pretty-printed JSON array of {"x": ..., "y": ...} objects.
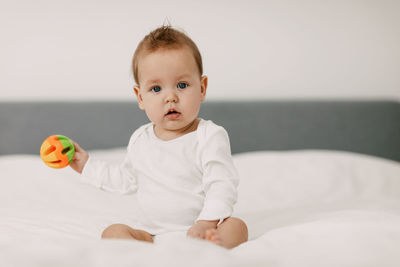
[
  {"x": 136, "y": 89},
  {"x": 204, "y": 83}
]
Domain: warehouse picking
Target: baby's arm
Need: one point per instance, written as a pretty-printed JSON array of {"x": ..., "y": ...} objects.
[
  {"x": 220, "y": 178},
  {"x": 220, "y": 181},
  {"x": 109, "y": 177}
]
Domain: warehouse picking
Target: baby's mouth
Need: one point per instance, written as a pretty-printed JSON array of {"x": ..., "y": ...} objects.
[
  {"x": 171, "y": 111},
  {"x": 172, "y": 114}
]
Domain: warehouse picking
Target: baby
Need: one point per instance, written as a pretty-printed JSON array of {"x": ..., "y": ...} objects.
[{"x": 179, "y": 165}]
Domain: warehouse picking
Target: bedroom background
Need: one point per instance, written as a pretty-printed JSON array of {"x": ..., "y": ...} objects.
[
  {"x": 309, "y": 49},
  {"x": 307, "y": 195}
]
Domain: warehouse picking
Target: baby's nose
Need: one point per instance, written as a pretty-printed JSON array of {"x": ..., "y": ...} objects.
[{"x": 171, "y": 96}]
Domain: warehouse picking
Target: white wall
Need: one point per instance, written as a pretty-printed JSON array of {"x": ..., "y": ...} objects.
[{"x": 81, "y": 49}]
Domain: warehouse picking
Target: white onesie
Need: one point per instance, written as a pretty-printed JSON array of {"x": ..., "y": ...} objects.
[{"x": 177, "y": 182}]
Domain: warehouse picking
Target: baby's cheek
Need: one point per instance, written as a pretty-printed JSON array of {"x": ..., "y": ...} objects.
[
  {"x": 193, "y": 106},
  {"x": 153, "y": 114}
]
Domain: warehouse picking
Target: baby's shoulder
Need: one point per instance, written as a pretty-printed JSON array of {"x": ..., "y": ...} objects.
[
  {"x": 139, "y": 132},
  {"x": 207, "y": 129}
]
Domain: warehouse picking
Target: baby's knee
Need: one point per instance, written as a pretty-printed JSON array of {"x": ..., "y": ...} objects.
[
  {"x": 240, "y": 225},
  {"x": 115, "y": 231},
  {"x": 240, "y": 222}
]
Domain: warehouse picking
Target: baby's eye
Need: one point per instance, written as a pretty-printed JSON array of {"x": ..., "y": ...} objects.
[
  {"x": 156, "y": 89},
  {"x": 182, "y": 85}
]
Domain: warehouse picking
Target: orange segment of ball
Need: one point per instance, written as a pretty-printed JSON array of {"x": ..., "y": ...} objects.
[{"x": 51, "y": 153}]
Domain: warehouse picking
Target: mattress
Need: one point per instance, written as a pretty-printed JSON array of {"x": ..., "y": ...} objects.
[{"x": 302, "y": 208}]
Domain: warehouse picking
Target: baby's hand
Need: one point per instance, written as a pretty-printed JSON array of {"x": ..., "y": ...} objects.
[
  {"x": 199, "y": 229},
  {"x": 80, "y": 158}
]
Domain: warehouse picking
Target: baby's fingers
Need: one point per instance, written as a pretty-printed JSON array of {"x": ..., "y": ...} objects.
[
  {"x": 77, "y": 147},
  {"x": 195, "y": 234}
]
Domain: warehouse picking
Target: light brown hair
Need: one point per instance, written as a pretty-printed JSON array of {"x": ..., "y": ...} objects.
[{"x": 164, "y": 37}]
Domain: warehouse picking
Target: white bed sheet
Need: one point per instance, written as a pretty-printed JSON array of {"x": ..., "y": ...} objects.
[{"x": 303, "y": 208}]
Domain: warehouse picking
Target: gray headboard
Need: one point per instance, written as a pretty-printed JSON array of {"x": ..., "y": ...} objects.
[{"x": 369, "y": 127}]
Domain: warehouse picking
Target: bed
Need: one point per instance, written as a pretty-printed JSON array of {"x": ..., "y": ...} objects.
[{"x": 320, "y": 186}]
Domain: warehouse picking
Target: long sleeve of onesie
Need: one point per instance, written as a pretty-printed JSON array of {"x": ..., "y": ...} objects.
[
  {"x": 220, "y": 178},
  {"x": 111, "y": 177}
]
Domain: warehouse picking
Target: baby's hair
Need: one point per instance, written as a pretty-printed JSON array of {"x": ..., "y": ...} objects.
[{"x": 164, "y": 37}]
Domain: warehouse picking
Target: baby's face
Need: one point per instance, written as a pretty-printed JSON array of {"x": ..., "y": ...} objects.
[{"x": 170, "y": 90}]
